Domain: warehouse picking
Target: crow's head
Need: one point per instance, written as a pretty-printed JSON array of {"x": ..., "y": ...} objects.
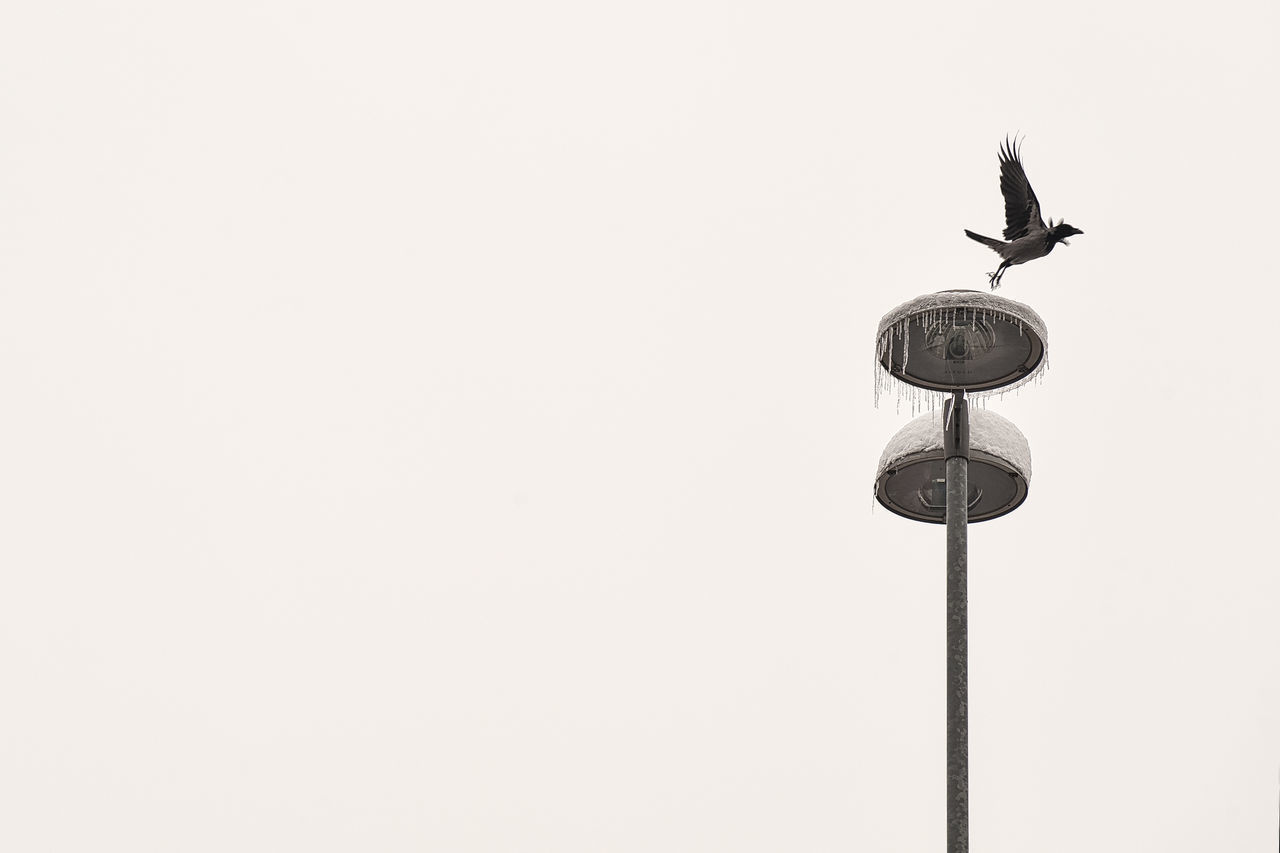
[{"x": 1062, "y": 231}]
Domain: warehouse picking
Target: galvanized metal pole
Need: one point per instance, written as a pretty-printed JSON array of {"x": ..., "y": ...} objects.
[{"x": 956, "y": 447}]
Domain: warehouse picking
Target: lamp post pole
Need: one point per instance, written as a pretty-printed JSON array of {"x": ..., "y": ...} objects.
[{"x": 956, "y": 449}]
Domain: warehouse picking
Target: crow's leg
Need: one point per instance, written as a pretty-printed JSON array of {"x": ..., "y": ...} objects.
[{"x": 995, "y": 277}]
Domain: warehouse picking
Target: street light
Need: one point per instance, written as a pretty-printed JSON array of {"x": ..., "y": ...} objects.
[{"x": 958, "y": 466}]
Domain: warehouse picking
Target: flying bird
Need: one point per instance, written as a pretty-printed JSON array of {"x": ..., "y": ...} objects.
[{"x": 1026, "y": 234}]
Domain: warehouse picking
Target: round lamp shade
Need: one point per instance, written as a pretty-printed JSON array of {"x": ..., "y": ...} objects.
[
  {"x": 961, "y": 340},
  {"x": 911, "y": 477}
]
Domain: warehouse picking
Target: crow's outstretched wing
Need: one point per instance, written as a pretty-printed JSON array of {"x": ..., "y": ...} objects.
[{"x": 1021, "y": 207}]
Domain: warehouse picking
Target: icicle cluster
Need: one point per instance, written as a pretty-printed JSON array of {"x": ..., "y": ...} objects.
[{"x": 943, "y": 309}]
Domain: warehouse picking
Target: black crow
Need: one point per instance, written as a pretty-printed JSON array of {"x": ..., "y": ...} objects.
[{"x": 1027, "y": 235}]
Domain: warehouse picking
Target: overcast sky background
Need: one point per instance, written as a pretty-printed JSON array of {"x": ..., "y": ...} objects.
[{"x": 450, "y": 427}]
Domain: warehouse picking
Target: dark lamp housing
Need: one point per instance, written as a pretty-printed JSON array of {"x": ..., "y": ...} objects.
[
  {"x": 911, "y": 476},
  {"x": 961, "y": 340}
]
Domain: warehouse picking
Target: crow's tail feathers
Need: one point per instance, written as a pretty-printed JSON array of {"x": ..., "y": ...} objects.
[{"x": 986, "y": 241}]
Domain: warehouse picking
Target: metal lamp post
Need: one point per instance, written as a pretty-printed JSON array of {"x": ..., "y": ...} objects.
[{"x": 975, "y": 467}]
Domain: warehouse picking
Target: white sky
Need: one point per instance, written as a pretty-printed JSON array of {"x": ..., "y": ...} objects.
[{"x": 449, "y": 427}]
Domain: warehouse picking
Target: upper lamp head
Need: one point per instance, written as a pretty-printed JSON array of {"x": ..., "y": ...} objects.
[{"x": 961, "y": 340}]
